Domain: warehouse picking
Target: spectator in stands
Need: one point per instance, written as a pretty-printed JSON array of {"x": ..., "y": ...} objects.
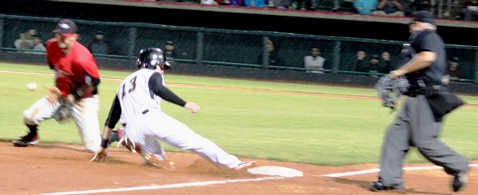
[
  {"x": 470, "y": 10},
  {"x": 418, "y": 5},
  {"x": 314, "y": 63},
  {"x": 360, "y": 65},
  {"x": 31, "y": 33},
  {"x": 98, "y": 45},
  {"x": 38, "y": 44},
  {"x": 255, "y": 3},
  {"x": 365, "y": 6},
  {"x": 26, "y": 40},
  {"x": 385, "y": 64},
  {"x": 169, "y": 51},
  {"x": 389, "y": 8},
  {"x": 373, "y": 65},
  {"x": 236, "y": 2},
  {"x": 209, "y": 2},
  {"x": 453, "y": 71},
  {"x": 284, "y": 4},
  {"x": 23, "y": 42},
  {"x": 274, "y": 59}
]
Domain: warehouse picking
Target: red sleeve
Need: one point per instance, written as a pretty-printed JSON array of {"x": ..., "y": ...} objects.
[
  {"x": 49, "y": 45},
  {"x": 89, "y": 69}
]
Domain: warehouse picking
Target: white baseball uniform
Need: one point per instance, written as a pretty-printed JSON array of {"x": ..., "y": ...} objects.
[
  {"x": 85, "y": 115},
  {"x": 138, "y": 98}
]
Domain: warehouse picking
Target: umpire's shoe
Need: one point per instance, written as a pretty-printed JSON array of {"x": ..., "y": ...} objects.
[
  {"x": 26, "y": 140},
  {"x": 459, "y": 181},
  {"x": 377, "y": 186}
]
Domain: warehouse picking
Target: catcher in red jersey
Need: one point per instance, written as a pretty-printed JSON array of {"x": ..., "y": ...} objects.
[{"x": 75, "y": 92}]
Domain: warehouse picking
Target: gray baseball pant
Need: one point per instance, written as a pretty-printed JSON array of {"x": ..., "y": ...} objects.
[{"x": 415, "y": 125}]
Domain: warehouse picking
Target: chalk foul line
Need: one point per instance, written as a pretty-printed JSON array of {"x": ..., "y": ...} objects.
[
  {"x": 154, "y": 187},
  {"x": 352, "y": 173}
]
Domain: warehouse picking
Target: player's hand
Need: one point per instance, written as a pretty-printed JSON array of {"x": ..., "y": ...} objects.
[
  {"x": 192, "y": 106},
  {"x": 396, "y": 73},
  {"x": 100, "y": 155},
  {"x": 70, "y": 98},
  {"x": 55, "y": 93}
]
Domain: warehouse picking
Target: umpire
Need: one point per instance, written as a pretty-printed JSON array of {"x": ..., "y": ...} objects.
[{"x": 417, "y": 124}]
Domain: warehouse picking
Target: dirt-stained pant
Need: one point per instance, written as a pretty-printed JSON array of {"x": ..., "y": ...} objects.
[
  {"x": 416, "y": 126},
  {"x": 147, "y": 129},
  {"x": 85, "y": 115}
]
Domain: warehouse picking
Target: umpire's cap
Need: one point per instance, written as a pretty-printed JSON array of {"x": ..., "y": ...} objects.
[{"x": 422, "y": 16}]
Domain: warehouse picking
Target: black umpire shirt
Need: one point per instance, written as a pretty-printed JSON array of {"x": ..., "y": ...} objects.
[{"x": 429, "y": 40}]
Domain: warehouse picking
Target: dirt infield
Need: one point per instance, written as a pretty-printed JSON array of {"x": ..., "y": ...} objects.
[{"x": 52, "y": 168}]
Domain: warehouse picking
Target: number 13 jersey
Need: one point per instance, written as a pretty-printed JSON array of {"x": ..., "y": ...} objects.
[{"x": 135, "y": 93}]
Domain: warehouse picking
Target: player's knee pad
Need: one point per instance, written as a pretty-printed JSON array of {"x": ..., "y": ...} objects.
[{"x": 29, "y": 117}]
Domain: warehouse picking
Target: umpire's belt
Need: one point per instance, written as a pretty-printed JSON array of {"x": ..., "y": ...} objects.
[{"x": 414, "y": 93}]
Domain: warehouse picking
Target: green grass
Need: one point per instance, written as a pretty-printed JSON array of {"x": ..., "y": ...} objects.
[{"x": 286, "y": 127}]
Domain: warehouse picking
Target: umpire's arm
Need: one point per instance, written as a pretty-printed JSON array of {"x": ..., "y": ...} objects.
[
  {"x": 422, "y": 60},
  {"x": 425, "y": 57}
]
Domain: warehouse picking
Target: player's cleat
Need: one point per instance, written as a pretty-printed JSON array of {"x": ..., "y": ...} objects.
[
  {"x": 244, "y": 164},
  {"x": 26, "y": 140},
  {"x": 125, "y": 142},
  {"x": 459, "y": 181},
  {"x": 163, "y": 164}
]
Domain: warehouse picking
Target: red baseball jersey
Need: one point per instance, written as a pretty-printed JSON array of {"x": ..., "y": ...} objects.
[{"x": 73, "y": 70}]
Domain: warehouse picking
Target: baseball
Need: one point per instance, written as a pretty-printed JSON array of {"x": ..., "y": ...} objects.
[{"x": 31, "y": 86}]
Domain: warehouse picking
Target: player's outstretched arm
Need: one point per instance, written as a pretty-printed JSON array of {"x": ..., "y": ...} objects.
[
  {"x": 193, "y": 107},
  {"x": 113, "y": 118},
  {"x": 102, "y": 153},
  {"x": 156, "y": 85}
]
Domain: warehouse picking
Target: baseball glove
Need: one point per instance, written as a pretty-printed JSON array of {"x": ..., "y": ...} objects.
[
  {"x": 386, "y": 87},
  {"x": 64, "y": 112}
]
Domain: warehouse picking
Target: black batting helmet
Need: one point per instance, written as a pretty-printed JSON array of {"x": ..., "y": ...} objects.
[{"x": 151, "y": 57}]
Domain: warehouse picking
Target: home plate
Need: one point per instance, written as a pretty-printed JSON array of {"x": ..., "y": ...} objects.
[{"x": 275, "y": 171}]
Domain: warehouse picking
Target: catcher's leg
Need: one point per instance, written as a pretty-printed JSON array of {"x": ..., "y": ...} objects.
[
  {"x": 85, "y": 114},
  {"x": 41, "y": 110}
]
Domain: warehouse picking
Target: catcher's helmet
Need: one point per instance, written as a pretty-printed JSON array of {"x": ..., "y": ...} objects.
[{"x": 151, "y": 57}]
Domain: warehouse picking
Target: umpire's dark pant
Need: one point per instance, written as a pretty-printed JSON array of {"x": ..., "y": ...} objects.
[{"x": 415, "y": 125}]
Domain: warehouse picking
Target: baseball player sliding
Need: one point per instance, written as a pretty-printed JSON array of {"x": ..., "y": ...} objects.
[
  {"x": 137, "y": 104},
  {"x": 77, "y": 79}
]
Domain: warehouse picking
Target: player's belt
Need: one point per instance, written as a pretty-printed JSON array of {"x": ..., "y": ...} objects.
[{"x": 144, "y": 112}]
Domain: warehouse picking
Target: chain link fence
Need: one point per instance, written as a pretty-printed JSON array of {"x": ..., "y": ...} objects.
[{"x": 258, "y": 49}]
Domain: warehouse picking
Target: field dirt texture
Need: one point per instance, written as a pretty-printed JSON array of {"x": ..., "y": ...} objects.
[{"x": 54, "y": 168}]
